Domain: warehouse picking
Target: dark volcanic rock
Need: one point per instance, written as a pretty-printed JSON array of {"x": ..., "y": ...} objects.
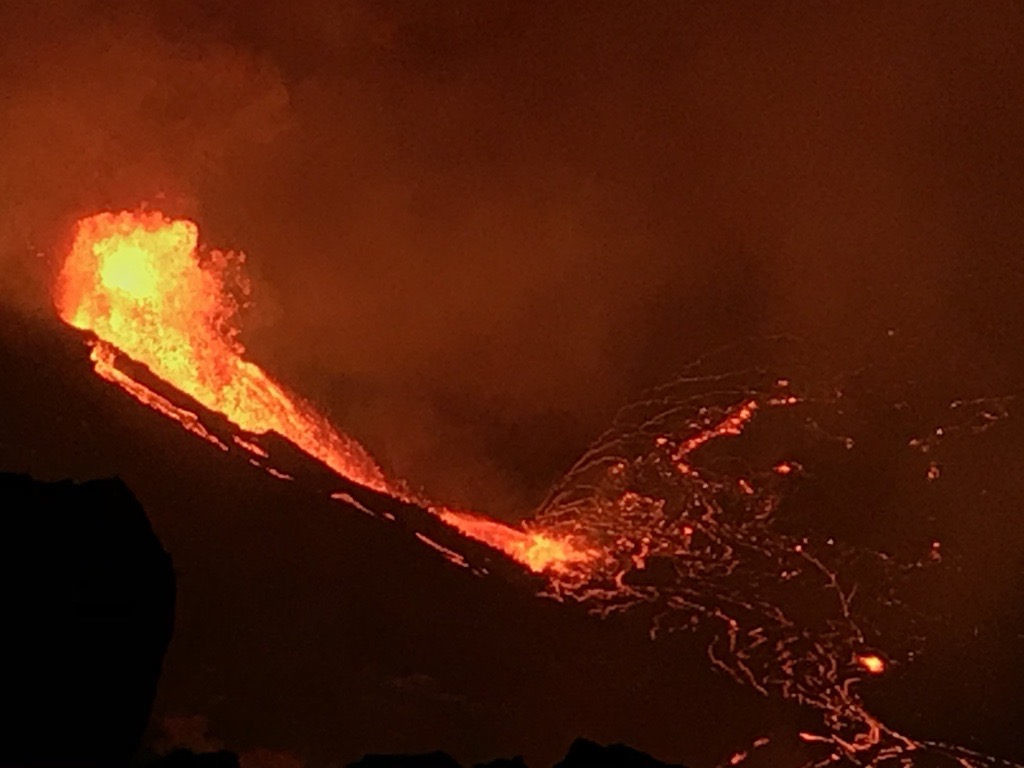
[
  {"x": 586, "y": 754},
  {"x": 87, "y": 602},
  {"x": 430, "y": 760},
  {"x": 582, "y": 754},
  {"x": 186, "y": 758}
]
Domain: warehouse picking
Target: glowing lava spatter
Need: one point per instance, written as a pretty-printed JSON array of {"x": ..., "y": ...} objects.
[{"x": 698, "y": 539}]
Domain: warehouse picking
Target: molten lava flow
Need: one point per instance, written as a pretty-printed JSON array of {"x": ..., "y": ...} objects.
[
  {"x": 138, "y": 281},
  {"x": 732, "y": 424},
  {"x": 104, "y": 360},
  {"x": 537, "y": 550}
]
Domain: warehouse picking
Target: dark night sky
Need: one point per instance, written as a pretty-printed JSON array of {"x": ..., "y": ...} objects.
[{"x": 475, "y": 230}]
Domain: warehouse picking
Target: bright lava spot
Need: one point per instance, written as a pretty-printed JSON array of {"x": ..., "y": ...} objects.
[
  {"x": 536, "y": 550},
  {"x": 872, "y": 663},
  {"x": 127, "y": 268}
]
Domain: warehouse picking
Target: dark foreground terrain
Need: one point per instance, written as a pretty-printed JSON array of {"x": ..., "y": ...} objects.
[
  {"x": 87, "y": 594},
  {"x": 87, "y": 600},
  {"x": 582, "y": 754}
]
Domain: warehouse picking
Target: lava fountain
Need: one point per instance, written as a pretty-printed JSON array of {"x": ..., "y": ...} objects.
[{"x": 138, "y": 282}]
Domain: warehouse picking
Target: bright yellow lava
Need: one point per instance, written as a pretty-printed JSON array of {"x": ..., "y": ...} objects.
[
  {"x": 137, "y": 280},
  {"x": 872, "y": 663},
  {"x": 127, "y": 268}
]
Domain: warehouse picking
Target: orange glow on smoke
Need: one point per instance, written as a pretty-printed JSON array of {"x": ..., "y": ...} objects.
[{"x": 142, "y": 285}]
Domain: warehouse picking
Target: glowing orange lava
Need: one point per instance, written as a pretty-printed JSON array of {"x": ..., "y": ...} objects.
[
  {"x": 536, "y": 550},
  {"x": 141, "y": 284},
  {"x": 104, "y": 360},
  {"x": 872, "y": 663},
  {"x": 732, "y": 424}
]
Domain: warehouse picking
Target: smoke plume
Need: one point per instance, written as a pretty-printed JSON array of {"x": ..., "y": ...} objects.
[{"x": 476, "y": 229}]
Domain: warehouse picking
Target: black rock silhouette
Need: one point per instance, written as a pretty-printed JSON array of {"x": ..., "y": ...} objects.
[
  {"x": 87, "y": 604},
  {"x": 586, "y": 754}
]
